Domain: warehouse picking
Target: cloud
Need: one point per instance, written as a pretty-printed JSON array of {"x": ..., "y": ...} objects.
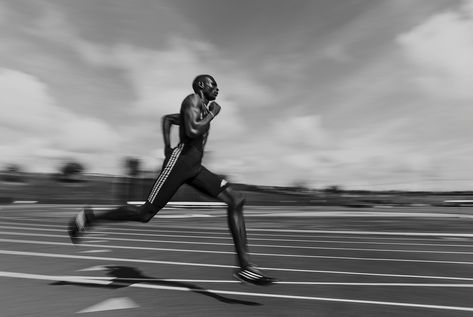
[
  {"x": 26, "y": 102},
  {"x": 282, "y": 152},
  {"x": 2, "y": 13},
  {"x": 32, "y": 123},
  {"x": 87, "y": 135},
  {"x": 161, "y": 77},
  {"x": 440, "y": 50},
  {"x": 301, "y": 131}
]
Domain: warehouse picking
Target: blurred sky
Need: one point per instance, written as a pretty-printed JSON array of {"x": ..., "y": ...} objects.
[{"x": 368, "y": 94}]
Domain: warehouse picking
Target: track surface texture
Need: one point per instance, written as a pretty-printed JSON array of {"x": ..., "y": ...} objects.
[{"x": 331, "y": 261}]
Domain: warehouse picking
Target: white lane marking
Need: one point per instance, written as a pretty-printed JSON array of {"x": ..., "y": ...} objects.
[
  {"x": 347, "y": 234},
  {"x": 25, "y": 201},
  {"x": 110, "y": 304},
  {"x": 274, "y": 211},
  {"x": 254, "y": 254},
  {"x": 186, "y": 203},
  {"x": 147, "y": 280},
  {"x": 110, "y": 278},
  {"x": 177, "y": 216},
  {"x": 381, "y": 284},
  {"x": 101, "y": 234},
  {"x": 96, "y": 235},
  {"x": 96, "y": 251},
  {"x": 355, "y": 232},
  {"x": 83, "y": 257},
  {"x": 88, "y": 241},
  {"x": 225, "y": 244},
  {"x": 350, "y": 233},
  {"x": 358, "y": 214},
  {"x": 225, "y": 292}
]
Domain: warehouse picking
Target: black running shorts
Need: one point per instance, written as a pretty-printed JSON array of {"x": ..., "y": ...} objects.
[{"x": 184, "y": 166}]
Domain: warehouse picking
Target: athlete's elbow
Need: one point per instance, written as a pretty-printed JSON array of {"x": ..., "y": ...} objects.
[{"x": 165, "y": 119}]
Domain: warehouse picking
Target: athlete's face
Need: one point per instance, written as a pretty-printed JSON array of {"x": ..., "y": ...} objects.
[{"x": 210, "y": 89}]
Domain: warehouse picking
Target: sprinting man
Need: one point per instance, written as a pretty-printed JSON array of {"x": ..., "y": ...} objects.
[{"x": 183, "y": 165}]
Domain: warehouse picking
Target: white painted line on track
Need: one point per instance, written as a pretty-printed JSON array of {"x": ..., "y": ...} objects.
[
  {"x": 94, "y": 268},
  {"x": 96, "y": 233},
  {"x": 388, "y": 233},
  {"x": 186, "y": 203},
  {"x": 127, "y": 260},
  {"x": 100, "y": 234},
  {"x": 225, "y": 292},
  {"x": 185, "y": 216},
  {"x": 358, "y": 214},
  {"x": 344, "y": 232},
  {"x": 84, "y": 257},
  {"x": 231, "y": 252},
  {"x": 436, "y": 285},
  {"x": 350, "y": 234},
  {"x": 226, "y": 244},
  {"x": 95, "y": 241},
  {"x": 149, "y": 280},
  {"x": 96, "y": 251},
  {"x": 25, "y": 201}
]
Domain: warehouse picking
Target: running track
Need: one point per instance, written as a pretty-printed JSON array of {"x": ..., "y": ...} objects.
[{"x": 331, "y": 262}]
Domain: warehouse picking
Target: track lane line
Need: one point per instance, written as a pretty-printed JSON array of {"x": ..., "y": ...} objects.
[
  {"x": 230, "y": 244},
  {"x": 231, "y": 252},
  {"x": 226, "y": 292},
  {"x": 128, "y": 260},
  {"x": 132, "y": 229}
]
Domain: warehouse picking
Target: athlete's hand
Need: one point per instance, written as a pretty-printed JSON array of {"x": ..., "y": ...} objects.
[{"x": 214, "y": 108}]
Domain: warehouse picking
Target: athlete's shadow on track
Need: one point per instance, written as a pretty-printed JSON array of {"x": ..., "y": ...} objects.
[{"x": 124, "y": 276}]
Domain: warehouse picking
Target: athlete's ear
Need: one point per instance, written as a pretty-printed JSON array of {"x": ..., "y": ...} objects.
[{"x": 201, "y": 84}]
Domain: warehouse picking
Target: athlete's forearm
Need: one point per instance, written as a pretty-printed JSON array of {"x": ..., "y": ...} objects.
[{"x": 167, "y": 121}]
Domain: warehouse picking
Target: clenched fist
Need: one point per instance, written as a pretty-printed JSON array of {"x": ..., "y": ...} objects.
[{"x": 214, "y": 108}]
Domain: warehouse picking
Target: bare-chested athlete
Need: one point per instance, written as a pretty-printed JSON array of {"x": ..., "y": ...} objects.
[{"x": 183, "y": 165}]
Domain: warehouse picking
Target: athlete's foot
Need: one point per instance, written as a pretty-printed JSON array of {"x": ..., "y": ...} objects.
[
  {"x": 79, "y": 224},
  {"x": 252, "y": 275}
]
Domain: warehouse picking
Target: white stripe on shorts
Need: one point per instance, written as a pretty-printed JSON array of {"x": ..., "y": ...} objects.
[{"x": 165, "y": 173}]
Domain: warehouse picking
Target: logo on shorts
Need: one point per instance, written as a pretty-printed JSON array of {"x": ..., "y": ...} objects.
[{"x": 223, "y": 183}]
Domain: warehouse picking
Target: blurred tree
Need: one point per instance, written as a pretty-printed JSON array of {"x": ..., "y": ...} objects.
[
  {"x": 13, "y": 168},
  {"x": 334, "y": 189},
  {"x": 300, "y": 185},
  {"x": 72, "y": 168},
  {"x": 12, "y": 173},
  {"x": 132, "y": 166},
  {"x": 133, "y": 184},
  {"x": 71, "y": 172}
]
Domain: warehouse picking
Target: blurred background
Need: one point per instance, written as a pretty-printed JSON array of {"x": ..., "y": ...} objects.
[{"x": 343, "y": 102}]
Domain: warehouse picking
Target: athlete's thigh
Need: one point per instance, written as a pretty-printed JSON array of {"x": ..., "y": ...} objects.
[
  {"x": 175, "y": 173},
  {"x": 208, "y": 182}
]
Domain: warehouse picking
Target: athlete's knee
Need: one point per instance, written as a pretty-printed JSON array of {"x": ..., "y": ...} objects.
[
  {"x": 237, "y": 200},
  {"x": 146, "y": 212}
]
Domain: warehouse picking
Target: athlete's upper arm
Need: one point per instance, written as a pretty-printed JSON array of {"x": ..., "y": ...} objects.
[{"x": 191, "y": 112}]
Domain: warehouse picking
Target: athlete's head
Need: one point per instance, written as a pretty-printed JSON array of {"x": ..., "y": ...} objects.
[{"x": 205, "y": 86}]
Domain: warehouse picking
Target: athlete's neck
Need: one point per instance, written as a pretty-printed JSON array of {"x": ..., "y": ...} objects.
[{"x": 204, "y": 100}]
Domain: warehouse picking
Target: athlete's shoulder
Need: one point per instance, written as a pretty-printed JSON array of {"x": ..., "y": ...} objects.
[{"x": 190, "y": 101}]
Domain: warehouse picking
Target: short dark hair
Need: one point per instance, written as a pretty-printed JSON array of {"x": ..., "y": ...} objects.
[{"x": 199, "y": 78}]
